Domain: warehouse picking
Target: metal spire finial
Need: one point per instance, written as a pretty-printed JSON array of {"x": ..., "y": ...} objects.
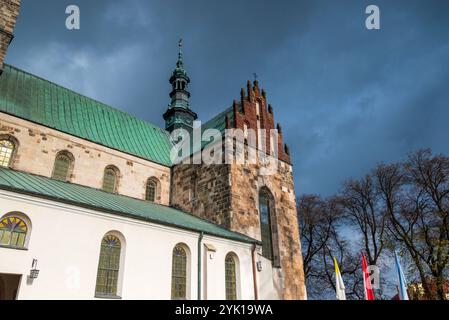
[{"x": 180, "y": 52}]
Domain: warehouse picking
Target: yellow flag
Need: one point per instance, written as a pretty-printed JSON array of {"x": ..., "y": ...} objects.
[{"x": 339, "y": 285}]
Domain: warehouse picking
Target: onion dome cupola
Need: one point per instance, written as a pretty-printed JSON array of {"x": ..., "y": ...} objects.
[{"x": 179, "y": 114}]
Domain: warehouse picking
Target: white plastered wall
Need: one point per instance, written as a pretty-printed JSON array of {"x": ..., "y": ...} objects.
[{"x": 66, "y": 242}]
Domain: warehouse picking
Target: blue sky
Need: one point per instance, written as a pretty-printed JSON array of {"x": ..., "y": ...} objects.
[{"x": 347, "y": 98}]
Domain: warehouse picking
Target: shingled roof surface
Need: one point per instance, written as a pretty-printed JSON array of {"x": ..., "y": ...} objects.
[
  {"x": 32, "y": 98},
  {"x": 73, "y": 194}
]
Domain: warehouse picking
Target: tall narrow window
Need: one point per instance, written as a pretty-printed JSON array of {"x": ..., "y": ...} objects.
[
  {"x": 265, "y": 206},
  {"x": 110, "y": 179},
  {"x": 108, "y": 267},
  {"x": 63, "y": 165},
  {"x": 179, "y": 274},
  {"x": 150, "y": 194},
  {"x": 6, "y": 152},
  {"x": 231, "y": 277},
  {"x": 13, "y": 232}
]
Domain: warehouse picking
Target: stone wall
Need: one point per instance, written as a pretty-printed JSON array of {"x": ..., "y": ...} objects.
[
  {"x": 9, "y": 11},
  {"x": 38, "y": 146},
  {"x": 204, "y": 191},
  {"x": 246, "y": 185}
]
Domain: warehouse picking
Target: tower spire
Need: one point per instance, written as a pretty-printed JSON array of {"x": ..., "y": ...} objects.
[
  {"x": 179, "y": 113},
  {"x": 180, "y": 63}
]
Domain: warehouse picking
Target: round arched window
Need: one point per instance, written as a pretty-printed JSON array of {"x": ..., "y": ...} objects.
[
  {"x": 108, "y": 267},
  {"x": 231, "y": 277},
  {"x": 6, "y": 152},
  {"x": 13, "y": 232},
  {"x": 110, "y": 179},
  {"x": 179, "y": 274},
  {"x": 151, "y": 190},
  {"x": 63, "y": 166}
]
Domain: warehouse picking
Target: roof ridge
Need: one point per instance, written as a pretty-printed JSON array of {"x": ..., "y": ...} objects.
[{"x": 103, "y": 104}]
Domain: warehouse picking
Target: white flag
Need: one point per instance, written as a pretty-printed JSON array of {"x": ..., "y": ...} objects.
[{"x": 339, "y": 285}]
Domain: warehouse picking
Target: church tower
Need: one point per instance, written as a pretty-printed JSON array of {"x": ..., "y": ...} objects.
[
  {"x": 242, "y": 198},
  {"x": 9, "y": 11},
  {"x": 179, "y": 115}
]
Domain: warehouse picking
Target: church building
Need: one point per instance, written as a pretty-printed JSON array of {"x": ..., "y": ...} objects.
[{"x": 92, "y": 205}]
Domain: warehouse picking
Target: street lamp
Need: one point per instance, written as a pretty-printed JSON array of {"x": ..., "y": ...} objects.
[{"x": 34, "y": 273}]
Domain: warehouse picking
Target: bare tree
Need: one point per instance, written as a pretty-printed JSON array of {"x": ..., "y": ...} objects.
[
  {"x": 321, "y": 242},
  {"x": 360, "y": 200},
  {"x": 415, "y": 196},
  {"x": 429, "y": 202},
  {"x": 362, "y": 208},
  {"x": 403, "y": 206},
  {"x": 316, "y": 220},
  {"x": 350, "y": 266}
]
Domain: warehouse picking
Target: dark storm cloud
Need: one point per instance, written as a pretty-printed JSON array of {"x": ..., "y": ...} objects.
[{"x": 347, "y": 97}]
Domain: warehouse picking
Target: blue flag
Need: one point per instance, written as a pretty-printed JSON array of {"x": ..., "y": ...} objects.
[{"x": 403, "y": 295}]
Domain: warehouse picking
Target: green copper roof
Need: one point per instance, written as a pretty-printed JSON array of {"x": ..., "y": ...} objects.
[
  {"x": 32, "y": 98},
  {"x": 219, "y": 121},
  {"x": 81, "y": 196}
]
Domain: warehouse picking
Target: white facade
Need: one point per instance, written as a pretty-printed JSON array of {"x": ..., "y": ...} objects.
[{"x": 66, "y": 241}]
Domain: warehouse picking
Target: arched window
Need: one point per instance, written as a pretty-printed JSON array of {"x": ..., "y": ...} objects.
[
  {"x": 151, "y": 190},
  {"x": 231, "y": 277},
  {"x": 13, "y": 232},
  {"x": 179, "y": 274},
  {"x": 110, "y": 179},
  {"x": 63, "y": 166},
  {"x": 108, "y": 267},
  {"x": 266, "y": 205},
  {"x": 7, "y": 149}
]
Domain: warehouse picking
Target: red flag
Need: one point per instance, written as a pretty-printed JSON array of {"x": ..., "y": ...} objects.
[{"x": 369, "y": 292}]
